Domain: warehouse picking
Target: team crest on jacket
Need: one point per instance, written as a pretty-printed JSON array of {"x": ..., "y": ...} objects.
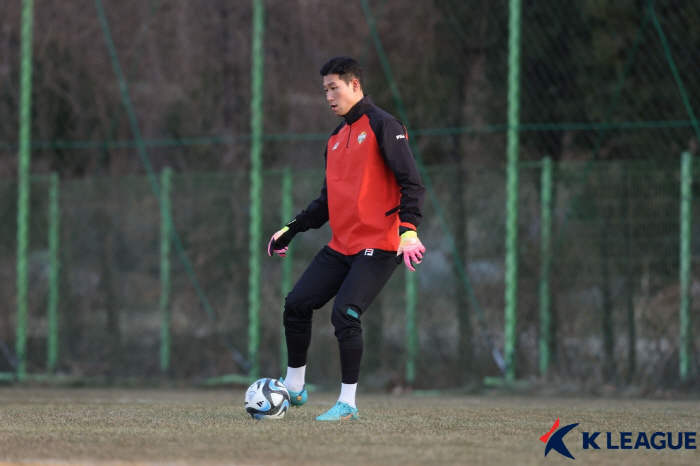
[{"x": 361, "y": 137}]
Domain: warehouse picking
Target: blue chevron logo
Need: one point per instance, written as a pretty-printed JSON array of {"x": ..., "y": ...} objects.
[{"x": 554, "y": 439}]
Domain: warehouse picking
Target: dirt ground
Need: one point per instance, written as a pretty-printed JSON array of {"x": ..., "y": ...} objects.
[{"x": 64, "y": 426}]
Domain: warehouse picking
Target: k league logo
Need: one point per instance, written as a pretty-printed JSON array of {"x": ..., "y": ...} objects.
[{"x": 554, "y": 440}]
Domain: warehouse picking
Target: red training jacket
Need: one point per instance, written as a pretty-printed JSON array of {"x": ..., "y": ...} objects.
[{"x": 372, "y": 187}]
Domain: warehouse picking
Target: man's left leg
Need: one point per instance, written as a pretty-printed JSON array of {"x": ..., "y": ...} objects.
[{"x": 369, "y": 272}]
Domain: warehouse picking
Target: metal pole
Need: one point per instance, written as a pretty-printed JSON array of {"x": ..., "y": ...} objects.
[
  {"x": 165, "y": 242},
  {"x": 255, "y": 236},
  {"x": 511, "y": 278},
  {"x": 411, "y": 329},
  {"x": 545, "y": 263},
  {"x": 54, "y": 268},
  {"x": 23, "y": 187},
  {"x": 684, "y": 261},
  {"x": 286, "y": 281}
]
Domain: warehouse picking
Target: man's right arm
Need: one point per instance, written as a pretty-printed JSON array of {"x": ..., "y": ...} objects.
[{"x": 316, "y": 214}]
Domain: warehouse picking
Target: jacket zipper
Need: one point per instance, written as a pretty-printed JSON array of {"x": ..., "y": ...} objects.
[{"x": 347, "y": 144}]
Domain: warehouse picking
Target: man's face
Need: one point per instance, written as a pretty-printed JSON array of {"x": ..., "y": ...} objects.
[{"x": 340, "y": 95}]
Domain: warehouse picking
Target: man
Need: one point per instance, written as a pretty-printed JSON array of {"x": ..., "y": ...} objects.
[{"x": 372, "y": 196}]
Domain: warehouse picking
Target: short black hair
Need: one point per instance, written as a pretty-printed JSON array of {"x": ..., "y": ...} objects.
[{"x": 345, "y": 67}]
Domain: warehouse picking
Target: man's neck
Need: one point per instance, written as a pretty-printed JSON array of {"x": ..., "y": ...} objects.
[{"x": 352, "y": 114}]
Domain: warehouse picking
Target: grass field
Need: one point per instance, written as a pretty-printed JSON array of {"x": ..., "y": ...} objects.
[{"x": 57, "y": 426}]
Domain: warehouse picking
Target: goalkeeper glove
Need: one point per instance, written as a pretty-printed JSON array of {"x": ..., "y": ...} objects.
[
  {"x": 279, "y": 243},
  {"x": 411, "y": 248}
]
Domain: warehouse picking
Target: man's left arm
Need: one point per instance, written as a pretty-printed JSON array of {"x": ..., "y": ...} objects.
[
  {"x": 396, "y": 152},
  {"x": 392, "y": 139}
]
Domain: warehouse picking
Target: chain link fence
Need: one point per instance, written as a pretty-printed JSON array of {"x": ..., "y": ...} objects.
[
  {"x": 607, "y": 92},
  {"x": 614, "y": 279}
]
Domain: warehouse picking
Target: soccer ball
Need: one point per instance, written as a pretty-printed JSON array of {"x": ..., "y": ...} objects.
[{"x": 267, "y": 399}]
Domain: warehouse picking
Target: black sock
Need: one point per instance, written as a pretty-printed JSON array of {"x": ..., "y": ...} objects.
[
  {"x": 350, "y": 359},
  {"x": 297, "y": 348}
]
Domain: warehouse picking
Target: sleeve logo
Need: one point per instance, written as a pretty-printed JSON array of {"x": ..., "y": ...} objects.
[{"x": 400, "y": 136}]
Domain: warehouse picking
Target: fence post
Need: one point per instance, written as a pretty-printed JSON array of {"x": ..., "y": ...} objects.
[
  {"x": 511, "y": 278},
  {"x": 54, "y": 267},
  {"x": 545, "y": 263},
  {"x": 286, "y": 280},
  {"x": 255, "y": 237},
  {"x": 411, "y": 329},
  {"x": 23, "y": 188},
  {"x": 165, "y": 242},
  {"x": 684, "y": 262}
]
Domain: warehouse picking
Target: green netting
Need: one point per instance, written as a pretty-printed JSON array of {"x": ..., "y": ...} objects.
[
  {"x": 608, "y": 90},
  {"x": 616, "y": 254}
]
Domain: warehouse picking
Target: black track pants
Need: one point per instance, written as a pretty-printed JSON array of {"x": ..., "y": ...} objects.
[{"x": 354, "y": 281}]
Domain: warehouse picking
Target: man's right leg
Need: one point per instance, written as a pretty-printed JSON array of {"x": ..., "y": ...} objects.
[{"x": 317, "y": 285}]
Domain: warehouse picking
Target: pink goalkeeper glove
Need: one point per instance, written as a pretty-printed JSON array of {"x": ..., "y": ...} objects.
[
  {"x": 411, "y": 248},
  {"x": 278, "y": 247},
  {"x": 279, "y": 243}
]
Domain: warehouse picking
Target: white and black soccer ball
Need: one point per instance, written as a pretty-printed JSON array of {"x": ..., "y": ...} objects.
[{"x": 267, "y": 399}]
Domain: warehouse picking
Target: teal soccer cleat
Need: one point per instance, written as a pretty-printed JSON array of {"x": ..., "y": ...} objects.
[
  {"x": 297, "y": 398},
  {"x": 340, "y": 412}
]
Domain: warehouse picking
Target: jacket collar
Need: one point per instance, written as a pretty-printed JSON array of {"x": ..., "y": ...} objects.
[{"x": 359, "y": 109}]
